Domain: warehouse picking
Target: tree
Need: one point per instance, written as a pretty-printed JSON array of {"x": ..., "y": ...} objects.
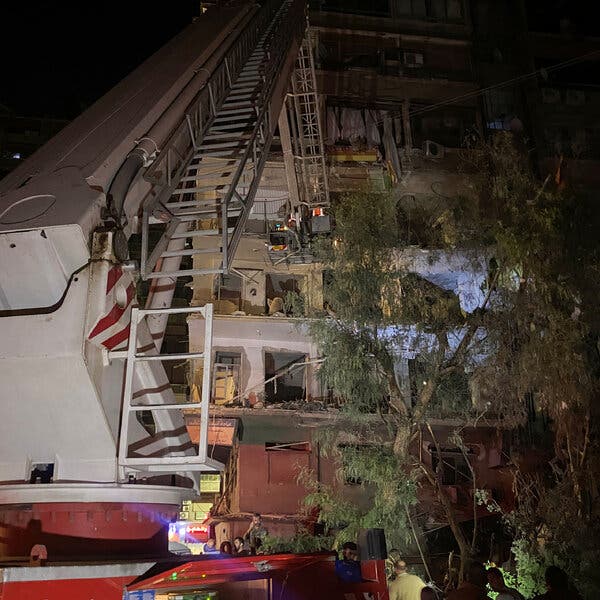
[
  {"x": 376, "y": 307},
  {"x": 533, "y": 333},
  {"x": 549, "y": 347}
]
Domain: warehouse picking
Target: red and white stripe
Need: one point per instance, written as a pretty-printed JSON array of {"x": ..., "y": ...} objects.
[{"x": 112, "y": 328}]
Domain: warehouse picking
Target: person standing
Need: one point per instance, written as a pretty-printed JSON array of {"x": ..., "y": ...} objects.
[
  {"x": 347, "y": 568},
  {"x": 255, "y": 533},
  {"x": 406, "y": 586}
]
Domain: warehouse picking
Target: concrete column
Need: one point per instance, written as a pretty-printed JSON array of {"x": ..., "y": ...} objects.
[{"x": 254, "y": 371}]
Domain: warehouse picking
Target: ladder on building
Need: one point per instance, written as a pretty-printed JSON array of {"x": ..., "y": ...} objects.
[
  {"x": 306, "y": 131},
  {"x": 229, "y": 132}
]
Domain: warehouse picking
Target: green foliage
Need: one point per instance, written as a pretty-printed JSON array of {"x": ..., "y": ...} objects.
[
  {"x": 530, "y": 569},
  {"x": 302, "y": 542},
  {"x": 294, "y": 305},
  {"x": 388, "y": 490},
  {"x": 540, "y": 335},
  {"x": 510, "y": 580},
  {"x": 545, "y": 331}
]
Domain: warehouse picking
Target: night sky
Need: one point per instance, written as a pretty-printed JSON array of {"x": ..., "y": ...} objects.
[{"x": 58, "y": 58}]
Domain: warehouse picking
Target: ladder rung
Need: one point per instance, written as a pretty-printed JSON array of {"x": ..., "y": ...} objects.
[
  {"x": 236, "y": 113},
  {"x": 209, "y": 171},
  {"x": 210, "y": 211},
  {"x": 186, "y": 272},
  {"x": 189, "y": 252},
  {"x": 241, "y": 96},
  {"x": 211, "y": 205},
  {"x": 199, "y": 175},
  {"x": 232, "y": 135},
  {"x": 232, "y": 144},
  {"x": 141, "y": 407},
  {"x": 200, "y": 233},
  {"x": 244, "y": 87},
  {"x": 223, "y": 154},
  {"x": 165, "y": 463},
  {"x": 161, "y": 357},
  {"x": 198, "y": 216},
  {"x": 230, "y": 104},
  {"x": 226, "y": 126}
]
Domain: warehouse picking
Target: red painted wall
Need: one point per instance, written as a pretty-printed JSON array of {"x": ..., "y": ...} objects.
[{"x": 267, "y": 479}]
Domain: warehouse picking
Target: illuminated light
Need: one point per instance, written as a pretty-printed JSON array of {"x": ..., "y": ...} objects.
[
  {"x": 174, "y": 575},
  {"x": 197, "y": 529},
  {"x": 203, "y": 575},
  {"x": 16, "y": 155}
]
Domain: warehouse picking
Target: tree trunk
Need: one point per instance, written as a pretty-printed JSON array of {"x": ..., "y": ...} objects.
[
  {"x": 402, "y": 439},
  {"x": 459, "y": 536}
]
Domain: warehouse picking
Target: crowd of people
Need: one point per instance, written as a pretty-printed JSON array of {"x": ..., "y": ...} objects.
[
  {"x": 478, "y": 582},
  {"x": 247, "y": 545}
]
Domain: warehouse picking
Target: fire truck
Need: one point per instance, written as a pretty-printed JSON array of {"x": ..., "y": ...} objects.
[{"x": 172, "y": 155}]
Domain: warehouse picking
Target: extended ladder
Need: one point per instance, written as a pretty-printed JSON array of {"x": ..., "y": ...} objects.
[
  {"x": 306, "y": 132},
  {"x": 204, "y": 203}
]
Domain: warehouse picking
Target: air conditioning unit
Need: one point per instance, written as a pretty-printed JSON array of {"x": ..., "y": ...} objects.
[
  {"x": 433, "y": 149},
  {"x": 550, "y": 95},
  {"x": 412, "y": 59},
  {"x": 576, "y": 97}
]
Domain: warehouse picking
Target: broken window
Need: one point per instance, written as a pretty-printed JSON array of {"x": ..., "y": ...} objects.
[
  {"x": 285, "y": 376},
  {"x": 229, "y": 287},
  {"x": 280, "y": 290},
  {"x": 450, "y": 465},
  {"x": 226, "y": 377}
]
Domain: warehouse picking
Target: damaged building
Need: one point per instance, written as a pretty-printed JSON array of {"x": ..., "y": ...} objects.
[{"x": 405, "y": 88}]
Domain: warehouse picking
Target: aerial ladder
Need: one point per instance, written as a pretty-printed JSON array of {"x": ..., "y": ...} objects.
[
  {"x": 167, "y": 149},
  {"x": 86, "y": 489}
]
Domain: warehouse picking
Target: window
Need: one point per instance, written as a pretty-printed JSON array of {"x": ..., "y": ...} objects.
[
  {"x": 226, "y": 377},
  {"x": 229, "y": 287},
  {"x": 439, "y": 10},
  {"x": 450, "y": 465},
  {"x": 285, "y": 374},
  {"x": 281, "y": 289}
]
